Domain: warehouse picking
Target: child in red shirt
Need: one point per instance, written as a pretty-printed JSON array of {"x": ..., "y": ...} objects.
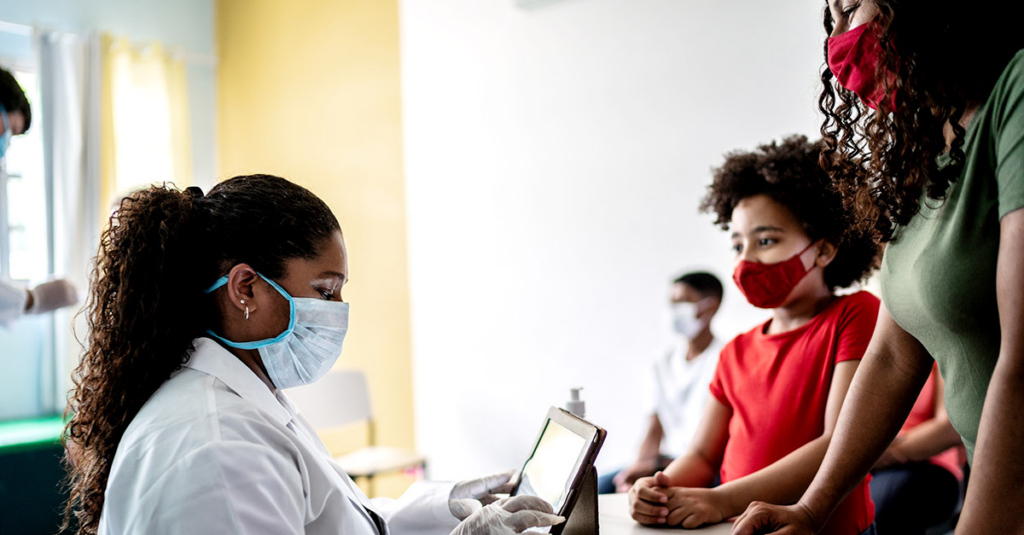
[{"x": 778, "y": 388}]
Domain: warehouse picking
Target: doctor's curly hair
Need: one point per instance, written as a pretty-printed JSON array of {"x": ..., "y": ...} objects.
[
  {"x": 945, "y": 56},
  {"x": 162, "y": 248},
  {"x": 789, "y": 174}
]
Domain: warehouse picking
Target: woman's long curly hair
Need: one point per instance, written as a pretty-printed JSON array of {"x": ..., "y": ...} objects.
[
  {"x": 944, "y": 56},
  {"x": 788, "y": 173},
  {"x": 147, "y": 304}
]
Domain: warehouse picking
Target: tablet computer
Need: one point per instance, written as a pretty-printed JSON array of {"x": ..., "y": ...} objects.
[{"x": 561, "y": 458}]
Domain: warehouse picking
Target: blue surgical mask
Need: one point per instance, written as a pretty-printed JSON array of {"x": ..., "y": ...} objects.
[
  {"x": 308, "y": 348},
  {"x": 5, "y": 138}
]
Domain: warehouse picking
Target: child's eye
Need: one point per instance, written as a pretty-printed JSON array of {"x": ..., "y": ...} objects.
[
  {"x": 849, "y": 11},
  {"x": 764, "y": 242},
  {"x": 737, "y": 248}
]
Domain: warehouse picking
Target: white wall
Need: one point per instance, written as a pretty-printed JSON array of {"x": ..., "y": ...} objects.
[{"x": 555, "y": 158}]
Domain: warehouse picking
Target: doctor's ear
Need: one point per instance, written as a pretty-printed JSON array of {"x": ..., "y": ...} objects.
[{"x": 239, "y": 288}]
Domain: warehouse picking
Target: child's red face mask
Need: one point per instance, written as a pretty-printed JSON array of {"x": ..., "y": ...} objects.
[{"x": 768, "y": 285}]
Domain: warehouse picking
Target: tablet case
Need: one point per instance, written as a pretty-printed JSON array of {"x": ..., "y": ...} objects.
[{"x": 583, "y": 516}]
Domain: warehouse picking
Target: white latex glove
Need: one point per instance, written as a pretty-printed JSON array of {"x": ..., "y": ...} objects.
[
  {"x": 50, "y": 296},
  {"x": 469, "y": 496},
  {"x": 509, "y": 516}
]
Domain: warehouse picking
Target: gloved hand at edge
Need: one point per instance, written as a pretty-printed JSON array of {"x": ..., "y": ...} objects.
[
  {"x": 469, "y": 496},
  {"x": 509, "y": 516}
]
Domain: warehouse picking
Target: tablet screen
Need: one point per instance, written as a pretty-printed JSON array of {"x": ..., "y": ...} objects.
[{"x": 553, "y": 465}]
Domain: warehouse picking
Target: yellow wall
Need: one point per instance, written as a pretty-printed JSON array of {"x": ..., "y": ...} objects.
[{"x": 309, "y": 89}]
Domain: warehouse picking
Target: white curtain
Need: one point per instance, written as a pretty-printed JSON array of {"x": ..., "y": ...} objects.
[{"x": 69, "y": 88}]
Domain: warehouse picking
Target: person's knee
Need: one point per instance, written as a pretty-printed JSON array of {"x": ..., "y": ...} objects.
[{"x": 606, "y": 483}]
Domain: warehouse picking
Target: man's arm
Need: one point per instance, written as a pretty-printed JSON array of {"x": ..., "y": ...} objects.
[
  {"x": 651, "y": 446},
  {"x": 699, "y": 466},
  {"x": 647, "y": 460}
]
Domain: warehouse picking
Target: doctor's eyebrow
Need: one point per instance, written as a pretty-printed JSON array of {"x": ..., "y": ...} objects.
[{"x": 334, "y": 274}]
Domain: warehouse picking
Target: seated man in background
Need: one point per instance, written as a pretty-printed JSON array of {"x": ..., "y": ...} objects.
[{"x": 680, "y": 380}]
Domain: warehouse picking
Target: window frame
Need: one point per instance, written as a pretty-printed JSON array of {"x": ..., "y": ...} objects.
[{"x": 50, "y": 385}]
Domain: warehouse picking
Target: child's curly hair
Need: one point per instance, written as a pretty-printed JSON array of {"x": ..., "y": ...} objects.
[{"x": 789, "y": 174}]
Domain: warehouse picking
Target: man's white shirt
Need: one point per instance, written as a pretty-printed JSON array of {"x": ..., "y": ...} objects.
[{"x": 679, "y": 392}]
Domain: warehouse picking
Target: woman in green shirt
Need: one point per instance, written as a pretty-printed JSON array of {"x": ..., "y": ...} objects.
[{"x": 935, "y": 168}]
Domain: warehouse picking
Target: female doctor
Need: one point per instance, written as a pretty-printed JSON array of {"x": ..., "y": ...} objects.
[{"x": 201, "y": 309}]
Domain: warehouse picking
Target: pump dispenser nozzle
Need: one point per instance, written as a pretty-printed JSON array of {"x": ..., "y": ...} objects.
[{"x": 575, "y": 404}]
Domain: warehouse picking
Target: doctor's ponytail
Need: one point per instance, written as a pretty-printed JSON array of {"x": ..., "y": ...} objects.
[
  {"x": 161, "y": 249},
  {"x": 141, "y": 321}
]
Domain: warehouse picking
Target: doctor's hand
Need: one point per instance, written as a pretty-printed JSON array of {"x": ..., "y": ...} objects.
[
  {"x": 509, "y": 516},
  {"x": 50, "y": 296},
  {"x": 695, "y": 507},
  {"x": 761, "y": 517},
  {"x": 648, "y": 499},
  {"x": 469, "y": 496}
]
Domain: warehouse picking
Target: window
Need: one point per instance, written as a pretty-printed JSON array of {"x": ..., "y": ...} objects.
[{"x": 29, "y": 382}]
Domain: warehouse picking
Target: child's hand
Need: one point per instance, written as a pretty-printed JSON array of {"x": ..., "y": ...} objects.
[
  {"x": 647, "y": 499},
  {"x": 694, "y": 507}
]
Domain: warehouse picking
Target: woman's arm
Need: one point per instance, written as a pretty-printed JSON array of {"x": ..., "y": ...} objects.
[
  {"x": 887, "y": 383},
  {"x": 926, "y": 440},
  {"x": 895, "y": 369},
  {"x": 995, "y": 494}
]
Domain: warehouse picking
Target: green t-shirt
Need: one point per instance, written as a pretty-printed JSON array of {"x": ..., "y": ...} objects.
[{"x": 939, "y": 274}]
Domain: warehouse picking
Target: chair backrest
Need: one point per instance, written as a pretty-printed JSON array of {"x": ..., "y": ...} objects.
[{"x": 339, "y": 398}]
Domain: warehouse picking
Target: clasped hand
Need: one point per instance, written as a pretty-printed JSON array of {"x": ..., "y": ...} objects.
[{"x": 653, "y": 500}]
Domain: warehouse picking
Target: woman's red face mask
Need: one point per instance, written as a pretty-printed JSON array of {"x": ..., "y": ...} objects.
[{"x": 854, "y": 56}]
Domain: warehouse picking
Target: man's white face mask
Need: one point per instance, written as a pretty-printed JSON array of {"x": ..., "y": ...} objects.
[{"x": 685, "y": 321}]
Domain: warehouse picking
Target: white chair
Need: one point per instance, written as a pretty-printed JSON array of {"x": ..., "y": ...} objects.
[{"x": 342, "y": 398}]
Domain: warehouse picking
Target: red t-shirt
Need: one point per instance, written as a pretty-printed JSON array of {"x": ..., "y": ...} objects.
[{"x": 777, "y": 387}]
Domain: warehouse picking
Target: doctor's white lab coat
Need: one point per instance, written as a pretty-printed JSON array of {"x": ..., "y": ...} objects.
[
  {"x": 215, "y": 451},
  {"x": 12, "y": 302}
]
